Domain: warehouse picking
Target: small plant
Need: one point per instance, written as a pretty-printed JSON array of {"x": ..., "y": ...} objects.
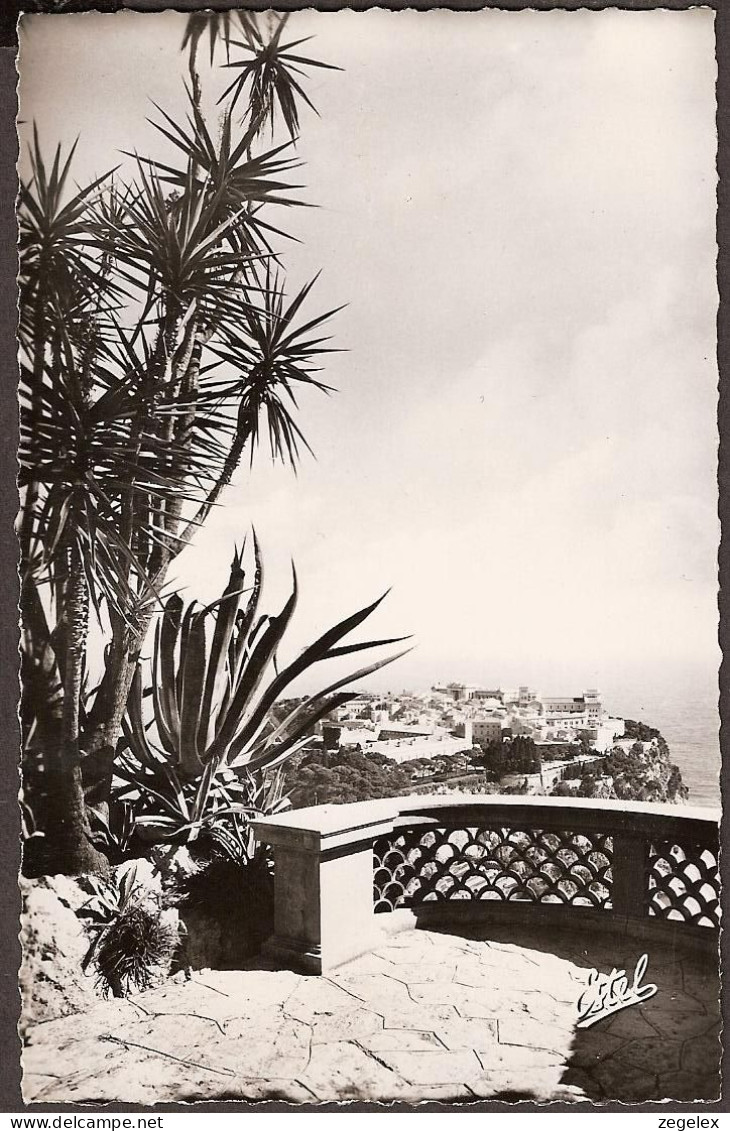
[
  {"x": 133, "y": 938},
  {"x": 113, "y": 835}
]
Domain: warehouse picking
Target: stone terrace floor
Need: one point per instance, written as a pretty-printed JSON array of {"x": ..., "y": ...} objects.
[{"x": 429, "y": 1016}]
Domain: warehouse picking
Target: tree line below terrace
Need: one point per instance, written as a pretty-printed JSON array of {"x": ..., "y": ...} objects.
[{"x": 644, "y": 772}]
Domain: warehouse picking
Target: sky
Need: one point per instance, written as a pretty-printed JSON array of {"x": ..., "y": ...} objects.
[{"x": 518, "y": 209}]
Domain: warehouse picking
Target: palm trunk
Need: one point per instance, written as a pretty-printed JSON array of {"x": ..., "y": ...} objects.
[
  {"x": 27, "y": 516},
  {"x": 104, "y": 726},
  {"x": 68, "y": 840},
  {"x": 99, "y": 741}
]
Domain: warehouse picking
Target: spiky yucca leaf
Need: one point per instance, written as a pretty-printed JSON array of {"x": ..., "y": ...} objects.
[
  {"x": 219, "y": 26},
  {"x": 275, "y": 354},
  {"x": 172, "y": 244},
  {"x": 56, "y": 255},
  {"x": 269, "y": 78},
  {"x": 239, "y": 182}
]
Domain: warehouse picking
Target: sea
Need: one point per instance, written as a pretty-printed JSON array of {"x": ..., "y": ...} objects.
[{"x": 683, "y": 706}]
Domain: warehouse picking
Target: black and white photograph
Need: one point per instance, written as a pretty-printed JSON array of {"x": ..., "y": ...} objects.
[{"x": 368, "y": 536}]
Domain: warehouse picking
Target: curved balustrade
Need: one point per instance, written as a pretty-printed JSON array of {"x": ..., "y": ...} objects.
[
  {"x": 664, "y": 858},
  {"x": 339, "y": 868}
]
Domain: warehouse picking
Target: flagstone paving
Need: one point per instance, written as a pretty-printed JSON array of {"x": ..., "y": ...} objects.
[{"x": 430, "y": 1016}]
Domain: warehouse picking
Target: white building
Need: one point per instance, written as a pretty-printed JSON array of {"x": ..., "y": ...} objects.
[
  {"x": 588, "y": 704},
  {"x": 495, "y": 695}
]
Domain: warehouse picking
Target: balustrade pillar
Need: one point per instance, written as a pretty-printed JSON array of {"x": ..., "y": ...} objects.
[
  {"x": 630, "y": 889},
  {"x": 323, "y": 893}
]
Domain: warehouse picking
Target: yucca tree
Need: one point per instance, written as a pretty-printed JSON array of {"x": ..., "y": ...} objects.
[{"x": 157, "y": 346}]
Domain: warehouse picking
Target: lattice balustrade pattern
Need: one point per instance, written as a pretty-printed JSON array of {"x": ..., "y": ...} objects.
[
  {"x": 495, "y": 863},
  {"x": 501, "y": 863},
  {"x": 684, "y": 883}
]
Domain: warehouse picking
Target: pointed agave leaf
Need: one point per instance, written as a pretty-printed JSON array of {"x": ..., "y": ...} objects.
[
  {"x": 194, "y": 665},
  {"x": 300, "y": 719},
  {"x": 311, "y": 655},
  {"x": 168, "y": 631},
  {"x": 361, "y": 673},
  {"x": 185, "y": 624},
  {"x": 165, "y": 828},
  {"x": 203, "y": 792},
  {"x": 136, "y": 736},
  {"x": 272, "y": 757},
  {"x": 166, "y": 713},
  {"x": 173, "y": 813},
  {"x": 351, "y": 677},
  {"x": 347, "y": 649},
  {"x": 253, "y": 672},
  {"x": 242, "y": 634},
  {"x": 222, "y": 636}
]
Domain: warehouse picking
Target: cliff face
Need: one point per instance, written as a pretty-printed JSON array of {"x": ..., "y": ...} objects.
[
  {"x": 643, "y": 772},
  {"x": 646, "y": 773}
]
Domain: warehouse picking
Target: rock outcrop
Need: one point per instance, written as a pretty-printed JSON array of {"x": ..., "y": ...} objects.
[{"x": 54, "y": 942}]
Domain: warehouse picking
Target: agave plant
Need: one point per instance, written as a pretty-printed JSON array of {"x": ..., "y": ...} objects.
[{"x": 204, "y": 759}]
